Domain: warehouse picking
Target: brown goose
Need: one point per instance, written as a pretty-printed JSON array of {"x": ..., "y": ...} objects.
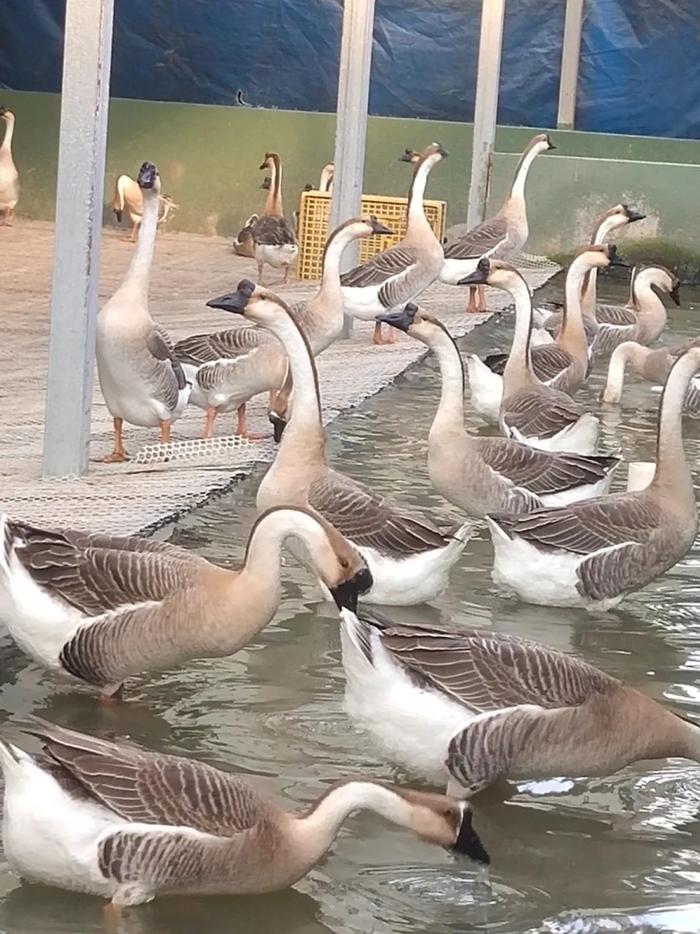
[
  {"x": 409, "y": 556},
  {"x": 499, "y": 237},
  {"x": 118, "y": 821},
  {"x": 471, "y": 707},
  {"x": 243, "y": 244},
  {"x": 529, "y": 410},
  {"x": 653, "y": 366},
  {"x": 229, "y": 367},
  {"x": 274, "y": 237},
  {"x": 482, "y": 475},
  {"x": 101, "y": 609},
  {"x": 401, "y": 273},
  {"x": 593, "y": 554}
]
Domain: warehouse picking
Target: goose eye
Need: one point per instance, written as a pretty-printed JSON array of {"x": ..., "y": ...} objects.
[{"x": 344, "y": 563}]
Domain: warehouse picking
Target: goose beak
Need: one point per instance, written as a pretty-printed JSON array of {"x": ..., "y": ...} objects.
[
  {"x": 478, "y": 277},
  {"x": 468, "y": 842},
  {"x": 279, "y": 423},
  {"x": 633, "y": 215},
  {"x": 147, "y": 175},
  {"x": 550, "y": 144},
  {"x": 401, "y": 320},
  {"x": 235, "y": 302},
  {"x": 616, "y": 259},
  {"x": 675, "y": 293},
  {"x": 379, "y": 228},
  {"x": 347, "y": 593}
]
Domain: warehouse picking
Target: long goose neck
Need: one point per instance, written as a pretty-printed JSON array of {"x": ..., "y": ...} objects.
[
  {"x": 672, "y": 472},
  {"x": 517, "y": 189},
  {"x": 305, "y": 430},
  {"x": 315, "y": 832},
  {"x": 616, "y": 373},
  {"x": 273, "y": 202},
  {"x": 335, "y": 247},
  {"x": 9, "y": 133},
  {"x": 648, "y": 305},
  {"x": 573, "y": 334},
  {"x": 140, "y": 267},
  {"x": 450, "y": 412},
  {"x": 518, "y": 371},
  {"x": 589, "y": 292},
  {"x": 416, "y": 211}
]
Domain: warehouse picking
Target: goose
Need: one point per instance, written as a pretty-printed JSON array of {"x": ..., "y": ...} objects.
[
  {"x": 644, "y": 319},
  {"x": 653, "y": 366},
  {"x": 499, "y": 237},
  {"x": 530, "y": 411},
  {"x": 482, "y": 475},
  {"x": 564, "y": 364},
  {"x": 401, "y": 273},
  {"x": 9, "y": 176},
  {"x": 409, "y": 557},
  {"x": 127, "y": 196},
  {"x": 127, "y": 824},
  {"x": 618, "y": 216},
  {"x": 141, "y": 380},
  {"x": 325, "y": 182},
  {"x": 274, "y": 237},
  {"x": 229, "y": 367},
  {"x": 243, "y": 244},
  {"x": 99, "y": 609},
  {"x": 468, "y": 707},
  {"x": 593, "y": 554}
]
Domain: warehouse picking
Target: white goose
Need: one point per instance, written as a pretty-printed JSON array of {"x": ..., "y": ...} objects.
[
  {"x": 592, "y": 554},
  {"x": 141, "y": 380},
  {"x": 410, "y": 558},
  {"x": 9, "y": 176},
  {"x": 531, "y": 411}
]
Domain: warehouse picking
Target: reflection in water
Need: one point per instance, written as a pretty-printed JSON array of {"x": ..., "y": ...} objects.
[{"x": 572, "y": 856}]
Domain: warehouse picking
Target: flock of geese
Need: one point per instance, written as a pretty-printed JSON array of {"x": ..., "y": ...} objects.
[{"x": 460, "y": 709}]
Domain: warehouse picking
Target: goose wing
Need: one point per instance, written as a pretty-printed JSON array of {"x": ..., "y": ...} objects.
[
  {"x": 269, "y": 230},
  {"x": 207, "y": 348},
  {"x": 487, "y": 239},
  {"x": 548, "y": 361},
  {"x": 543, "y": 472},
  {"x": 541, "y": 414},
  {"x": 367, "y": 519},
  {"x": 487, "y": 671},
  {"x": 617, "y": 315},
  {"x": 152, "y": 788},
  {"x": 168, "y": 376},
  {"x": 392, "y": 262},
  {"x": 98, "y": 573}
]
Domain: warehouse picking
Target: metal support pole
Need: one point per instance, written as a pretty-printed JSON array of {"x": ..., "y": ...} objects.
[
  {"x": 485, "y": 107},
  {"x": 351, "y": 121},
  {"x": 570, "y": 57},
  {"x": 80, "y": 188}
]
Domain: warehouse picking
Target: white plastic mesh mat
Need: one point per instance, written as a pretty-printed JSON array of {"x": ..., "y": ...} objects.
[{"x": 161, "y": 482}]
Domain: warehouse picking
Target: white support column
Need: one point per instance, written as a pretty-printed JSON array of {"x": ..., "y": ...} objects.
[
  {"x": 485, "y": 106},
  {"x": 87, "y": 57},
  {"x": 570, "y": 57},
  {"x": 351, "y": 120}
]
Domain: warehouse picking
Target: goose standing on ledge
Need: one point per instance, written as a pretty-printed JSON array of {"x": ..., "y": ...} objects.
[
  {"x": 127, "y": 196},
  {"x": 9, "y": 176},
  {"x": 593, "y": 554},
  {"x": 229, "y": 367},
  {"x": 471, "y": 707},
  {"x": 482, "y": 475},
  {"x": 653, "y": 366},
  {"x": 115, "y": 820},
  {"x": 243, "y": 244},
  {"x": 644, "y": 318},
  {"x": 141, "y": 380},
  {"x": 409, "y": 557},
  {"x": 401, "y": 273},
  {"x": 530, "y": 411},
  {"x": 500, "y": 237},
  {"x": 564, "y": 363},
  {"x": 100, "y": 609},
  {"x": 274, "y": 237}
]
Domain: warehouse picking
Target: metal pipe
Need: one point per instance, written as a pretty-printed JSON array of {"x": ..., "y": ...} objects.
[{"x": 570, "y": 58}]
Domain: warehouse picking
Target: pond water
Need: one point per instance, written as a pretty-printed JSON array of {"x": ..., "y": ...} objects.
[{"x": 616, "y": 854}]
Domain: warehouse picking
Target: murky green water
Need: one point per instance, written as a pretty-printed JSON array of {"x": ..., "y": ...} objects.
[{"x": 620, "y": 854}]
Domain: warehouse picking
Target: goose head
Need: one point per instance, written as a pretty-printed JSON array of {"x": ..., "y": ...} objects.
[
  {"x": 493, "y": 272},
  {"x": 6, "y": 114},
  {"x": 271, "y": 161},
  {"x": 410, "y": 156},
  {"x": 431, "y": 155},
  {"x": 540, "y": 143},
  {"x": 661, "y": 279},
  {"x": 148, "y": 178},
  {"x": 598, "y": 256},
  {"x": 252, "y": 302},
  {"x": 417, "y": 323},
  {"x": 618, "y": 216}
]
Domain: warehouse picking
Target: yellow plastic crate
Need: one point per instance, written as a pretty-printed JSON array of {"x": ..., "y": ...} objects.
[{"x": 312, "y": 233}]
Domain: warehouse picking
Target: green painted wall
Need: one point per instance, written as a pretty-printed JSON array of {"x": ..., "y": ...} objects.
[{"x": 209, "y": 157}]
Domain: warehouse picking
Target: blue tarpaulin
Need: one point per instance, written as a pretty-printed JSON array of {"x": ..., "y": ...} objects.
[{"x": 640, "y": 67}]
